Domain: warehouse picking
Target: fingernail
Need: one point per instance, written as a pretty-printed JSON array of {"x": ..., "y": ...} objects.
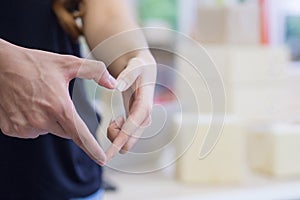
[
  {"x": 101, "y": 163},
  {"x": 112, "y": 81},
  {"x": 121, "y": 85}
]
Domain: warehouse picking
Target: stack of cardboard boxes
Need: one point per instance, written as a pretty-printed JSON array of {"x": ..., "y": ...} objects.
[{"x": 258, "y": 88}]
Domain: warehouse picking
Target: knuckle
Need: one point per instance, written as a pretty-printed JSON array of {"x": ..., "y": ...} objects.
[
  {"x": 24, "y": 132},
  {"x": 4, "y": 127},
  {"x": 110, "y": 129},
  {"x": 71, "y": 64},
  {"x": 6, "y": 130},
  {"x": 72, "y": 60},
  {"x": 37, "y": 122},
  {"x": 11, "y": 130},
  {"x": 101, "y": 65},
  {"x": 76, "y": 62}
]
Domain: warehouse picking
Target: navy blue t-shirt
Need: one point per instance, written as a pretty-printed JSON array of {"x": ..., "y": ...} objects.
[{"x": 48, "y": 167}]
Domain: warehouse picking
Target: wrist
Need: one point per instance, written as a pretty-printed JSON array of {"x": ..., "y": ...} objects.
[{"x": 120, "y": 64}]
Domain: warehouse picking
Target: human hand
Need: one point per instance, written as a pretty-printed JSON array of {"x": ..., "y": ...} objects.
[
  {"x": 137, "y": 83},
  {"x": 34, "y": 96}
]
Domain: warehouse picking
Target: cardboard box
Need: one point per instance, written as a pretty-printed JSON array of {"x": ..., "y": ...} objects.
[
  {"x": 234, "y": 24},
  {"x": 254, "y": 78},
  {"x": 225, "y": 164},
  {"x": 274, "y": 150}
]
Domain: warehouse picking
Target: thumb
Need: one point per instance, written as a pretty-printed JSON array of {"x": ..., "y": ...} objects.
[
  {"x": 128, "y": 76},
  {"x": 86, "y": 141},
  {"x": 93, "y": 70},
  {"x": 76, "y": 129}
]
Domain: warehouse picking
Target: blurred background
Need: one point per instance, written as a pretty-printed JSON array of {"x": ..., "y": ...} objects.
[{"x": 255, "y": 46}]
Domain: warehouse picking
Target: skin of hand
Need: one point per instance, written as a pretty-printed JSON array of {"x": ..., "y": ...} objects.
[
  {"x": 137, "y": 83},
  {"x": 116, "y": 40},
  {"x": 35, "y": 98}
]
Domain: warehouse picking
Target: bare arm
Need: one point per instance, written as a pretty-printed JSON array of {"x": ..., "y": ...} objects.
[
  {"x": 115, "y": 39},
  {"x": 105, "y": 19}
]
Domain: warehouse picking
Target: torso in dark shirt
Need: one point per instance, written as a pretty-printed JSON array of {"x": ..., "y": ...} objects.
[{"x": 48, "y": 167}]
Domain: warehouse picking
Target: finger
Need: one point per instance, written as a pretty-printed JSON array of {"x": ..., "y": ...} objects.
[
  {"x": 80, "y": 134},
  {"x": 133, "y": 122},
  {"x": 131, "y": 142},
  {"x": 127, "y": 100},
  {"x": 136, "y": 136},
  {"x": 114, "y": 128},
  {"x": 119, "y": 139},
  {"x": 116, "y": 146},
  {"x": 129, "y": 75},
  {"x": 118, "y": 123},
  {"x": 139, "y": 112},
  {"x": 90, "y": 69}
]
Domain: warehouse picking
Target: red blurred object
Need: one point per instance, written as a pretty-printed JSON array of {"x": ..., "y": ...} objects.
[{"x": 264, "y": 22}]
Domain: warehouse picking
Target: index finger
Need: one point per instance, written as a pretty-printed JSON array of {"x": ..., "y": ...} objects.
[
  {"x": 80, "y": 134},
  {"x": 131, "y": 125}
]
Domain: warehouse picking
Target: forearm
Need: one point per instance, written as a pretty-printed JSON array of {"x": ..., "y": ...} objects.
[{"x": 104, "y": 19}]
